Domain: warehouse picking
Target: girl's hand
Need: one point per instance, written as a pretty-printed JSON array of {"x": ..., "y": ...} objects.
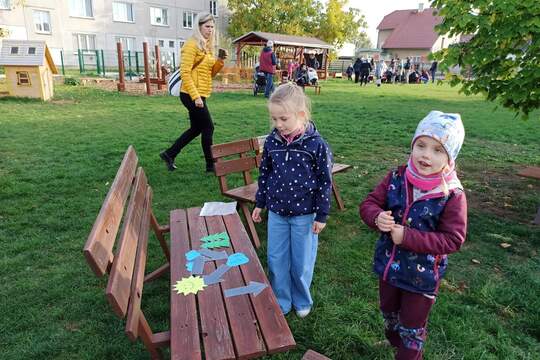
[
  {"x": 318, "y": 227},
  {"x": 397, "y": 233},
  {"x": 256, "y": 215},
  {"x": 385, "y": 221},
  {"x": 199, "y": 102}
]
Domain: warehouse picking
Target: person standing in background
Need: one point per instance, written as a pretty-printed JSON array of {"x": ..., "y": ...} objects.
[
  {"x": 197, "y": 69},
  {"x": 267, "y": 61}
]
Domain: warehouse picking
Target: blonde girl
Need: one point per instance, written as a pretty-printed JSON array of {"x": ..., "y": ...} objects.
[{"x": 294, "y": 186}]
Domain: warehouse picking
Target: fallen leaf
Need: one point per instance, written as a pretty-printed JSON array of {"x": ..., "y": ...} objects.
[
  {"x": 505, "y": 245},
  {"x": 530, "y": 186},
  {"x": 474, "y": 261}
]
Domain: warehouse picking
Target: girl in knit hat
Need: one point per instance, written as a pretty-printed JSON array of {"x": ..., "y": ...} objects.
[{"x": 421, "y": 211}]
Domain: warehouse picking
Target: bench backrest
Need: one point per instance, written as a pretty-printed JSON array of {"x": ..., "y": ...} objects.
[
  {"x": 127, "y": 264},
  {"x": 246, "y": 157}
]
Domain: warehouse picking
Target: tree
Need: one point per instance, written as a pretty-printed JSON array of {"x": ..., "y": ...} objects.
[
  {"x": 336, "y": 26},
  {"x": 503, "y": 53},
  {"x": 278, "y": 16},
  {"x": 302, "y": 17}
]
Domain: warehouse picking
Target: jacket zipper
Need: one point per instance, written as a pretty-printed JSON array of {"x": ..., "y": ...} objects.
[{"x": 403, "y": 220}]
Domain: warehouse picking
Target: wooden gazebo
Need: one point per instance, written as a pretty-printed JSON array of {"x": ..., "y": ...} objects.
[{"x": 287, "y": 47}]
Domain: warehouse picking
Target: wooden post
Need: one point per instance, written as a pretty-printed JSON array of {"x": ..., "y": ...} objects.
[
  {"x": 121, "y": 81},
  {"x": 238, "y": 52},
  {"x": 146, "y": 68},
  {"x": 158, "y": 67}
]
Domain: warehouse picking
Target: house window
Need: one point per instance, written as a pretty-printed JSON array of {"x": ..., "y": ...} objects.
[
  {"x": 123, "y": 12},
  {"x": 213, "y": 8},
  {"x": 23, "y": 78},
  {"x": 188, "y": 19},
  {"x": 158, "y": 16},
  {"x": 161, "y": 43},
  {"x": 128, "y": 43},
  {"x": 84, "y": 41},
  {"x": 31, "y": 50},
  {"x": 42, "y": 21},
  {"x": 5, "y": 4},
  {"x": 80, "y": 8},
  {"x": 171, "y": 44},
  {"x": 14, "y": 50}
]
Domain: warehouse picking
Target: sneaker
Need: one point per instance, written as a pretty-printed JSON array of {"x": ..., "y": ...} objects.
[
  {"x": 168, "y": 160},
  {"x": 303, "y": 313}
]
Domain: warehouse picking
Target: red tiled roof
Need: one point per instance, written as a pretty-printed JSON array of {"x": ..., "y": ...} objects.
[{"x": 411, "y": 29}]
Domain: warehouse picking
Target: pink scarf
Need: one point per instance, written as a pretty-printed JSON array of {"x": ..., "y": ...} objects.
[
  {"x": 429, "y": 182},
  {"x": 296, "y": 133}
]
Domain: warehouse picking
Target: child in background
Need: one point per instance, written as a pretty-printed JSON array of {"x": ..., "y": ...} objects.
[
  {"x": 421, "y": 211},
  {"x": 295, "y": 186}
]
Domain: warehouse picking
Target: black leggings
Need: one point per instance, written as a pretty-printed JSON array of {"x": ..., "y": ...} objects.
[{"x": 200, "y": 123}]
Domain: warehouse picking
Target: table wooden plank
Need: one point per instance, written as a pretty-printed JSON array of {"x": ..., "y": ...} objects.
[
  {"x": 215, "y": 331},
  {"x": 275, "y": 330},
  {"x": 244, "y": 326},
  {"x": 185, "y": 343},
  {"x": 530, "y": 172}
]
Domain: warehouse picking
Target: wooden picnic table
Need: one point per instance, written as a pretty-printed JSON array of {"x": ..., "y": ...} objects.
[{"x": 237, "y": 327}]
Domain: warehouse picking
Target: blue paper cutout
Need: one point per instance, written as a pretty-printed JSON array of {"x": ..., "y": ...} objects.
[
  {"x": 192, "y": 255},
  {"x": 189, "y": 266},
  {"x": 237, "y": 259}
]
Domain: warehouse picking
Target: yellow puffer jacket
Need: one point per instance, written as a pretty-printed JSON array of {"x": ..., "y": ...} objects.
[{"x": 197, "y": 82}]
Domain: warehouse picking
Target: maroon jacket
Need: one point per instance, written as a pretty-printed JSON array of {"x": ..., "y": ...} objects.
[
  {"x": 434, "y": 226},
  {"x": 451, "y": 228}
]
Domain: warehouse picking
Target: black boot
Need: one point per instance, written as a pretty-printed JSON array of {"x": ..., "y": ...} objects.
[{"x": 168, "y": 160}]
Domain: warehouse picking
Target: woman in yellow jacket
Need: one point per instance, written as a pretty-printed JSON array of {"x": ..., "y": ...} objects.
[{"x": 197, "y": 69}]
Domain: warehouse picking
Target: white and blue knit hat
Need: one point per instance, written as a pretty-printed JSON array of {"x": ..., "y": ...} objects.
[{"x": 445, "y": 128}]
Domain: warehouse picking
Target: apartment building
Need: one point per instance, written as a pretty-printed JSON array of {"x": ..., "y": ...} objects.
[{"x": 98, "y": 24}]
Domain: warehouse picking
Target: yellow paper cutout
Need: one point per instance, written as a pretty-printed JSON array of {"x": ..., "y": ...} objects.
[{"x": 189, "y": 285}]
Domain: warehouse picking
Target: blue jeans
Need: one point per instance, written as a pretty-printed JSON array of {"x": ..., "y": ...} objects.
[
  {"x": 292, "y": 250},
  {"x": 269, "y": 84}
]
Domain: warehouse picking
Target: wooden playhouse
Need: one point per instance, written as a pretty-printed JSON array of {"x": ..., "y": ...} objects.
[{"x": 29, "y": 68}]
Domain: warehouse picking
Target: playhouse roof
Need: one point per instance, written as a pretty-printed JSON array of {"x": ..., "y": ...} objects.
[
  {"x": 260, "y": 38},
  {"x": 26, "y": 53}
]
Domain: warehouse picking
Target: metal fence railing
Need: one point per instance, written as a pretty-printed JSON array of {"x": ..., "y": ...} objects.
[{"x": 105, "y": 62}]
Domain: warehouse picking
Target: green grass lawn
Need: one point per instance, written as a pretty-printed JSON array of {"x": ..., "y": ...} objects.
[{"x": 58, "y": 159}]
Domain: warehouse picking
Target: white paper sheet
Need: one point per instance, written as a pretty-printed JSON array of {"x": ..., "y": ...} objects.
[{"x": 218, "y": 208}]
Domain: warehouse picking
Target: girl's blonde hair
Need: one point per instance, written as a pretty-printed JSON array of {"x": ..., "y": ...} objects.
[
  {"x": 293, "y": 99},
  {"x": 205, "y": 45}
]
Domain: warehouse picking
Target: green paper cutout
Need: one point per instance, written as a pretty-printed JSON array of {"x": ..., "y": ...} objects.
[{"x": 216, "y": 240}]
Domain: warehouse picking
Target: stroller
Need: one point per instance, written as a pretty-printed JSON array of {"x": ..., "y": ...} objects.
[{"x": 259, "y": 81}]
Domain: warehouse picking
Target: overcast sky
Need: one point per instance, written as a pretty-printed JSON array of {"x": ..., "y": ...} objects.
[{"x": 375, "y": 10}]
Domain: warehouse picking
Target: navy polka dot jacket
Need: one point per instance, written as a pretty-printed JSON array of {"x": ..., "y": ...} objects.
[{"x": 296, "y": 179}]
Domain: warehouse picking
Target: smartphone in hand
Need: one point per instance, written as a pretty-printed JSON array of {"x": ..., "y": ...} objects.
[{"x": 222, "y": 53}]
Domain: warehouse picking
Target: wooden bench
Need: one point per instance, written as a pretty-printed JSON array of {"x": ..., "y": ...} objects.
[
  {"x": 313, "y": 355},
  {"x": 316, "y": 87},
  {"x": 244, "y": 326},
  {"x": 247, "y": 158},
  {"x": 238, "y": 327},
  {"x": 127, "y": 265},
  {"x": 534, "y": 173}
]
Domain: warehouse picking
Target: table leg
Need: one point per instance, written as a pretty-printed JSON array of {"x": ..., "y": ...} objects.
[
  {"x": 339, "y": 201},
  {"x": 251, "y": 225}
]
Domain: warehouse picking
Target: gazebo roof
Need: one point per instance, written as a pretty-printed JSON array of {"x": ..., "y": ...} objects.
[{"x": 260, "y": 38}]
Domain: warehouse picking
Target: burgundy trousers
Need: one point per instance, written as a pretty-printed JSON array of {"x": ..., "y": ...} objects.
[{"x": 405, "y": 318}]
